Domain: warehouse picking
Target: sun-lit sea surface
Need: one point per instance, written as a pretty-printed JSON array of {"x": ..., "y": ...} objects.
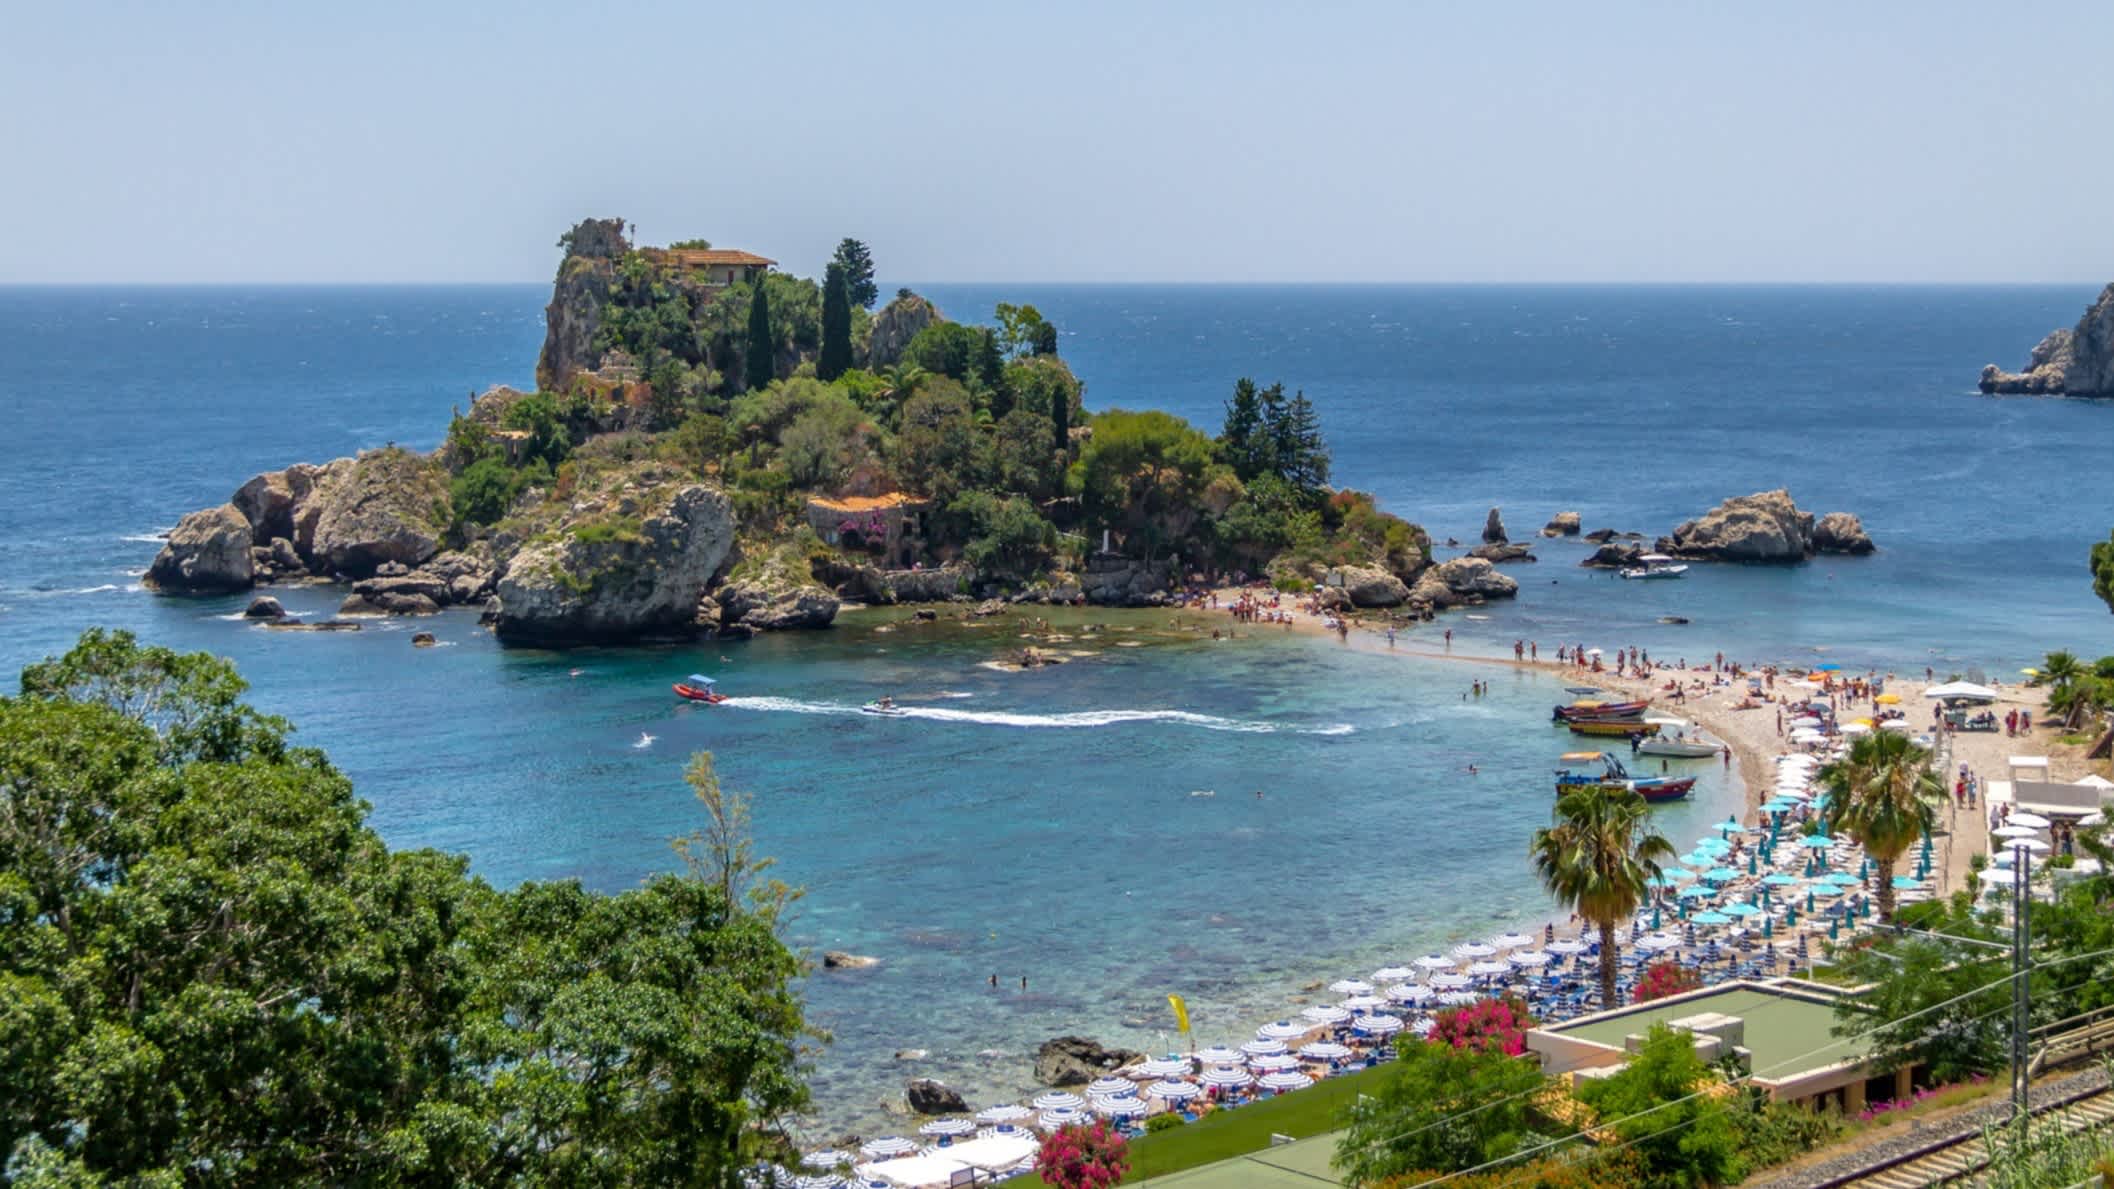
[{"x": 1047, "y": 825}]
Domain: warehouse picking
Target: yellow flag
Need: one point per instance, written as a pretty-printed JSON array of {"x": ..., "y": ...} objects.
[{"x": 1181, "y": 1011}]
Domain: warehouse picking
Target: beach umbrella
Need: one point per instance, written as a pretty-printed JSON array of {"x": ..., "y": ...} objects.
[
  {"x": 1660, "y": 881},
  {"x": 1490, "y": 967},
  {"x": 1741, "y": 910},
  {"x": 1720, "y": 874},
  {"x": 1511, "y": 941},
  {"x": 947, "y": 1127},
  {"x": 1731, "y": 825},
  {"x": 1711, "y": 844},
  {"x": 1450, "y": 982},
  {"x": 1474, "y": 949},
  {"x": 886, "y": 1146},
  {"x": 1423, "y": 1026},
  {"x": 1351, "y": 986},
  {"x": 824, "y": 1161},
  {"x": 1409, "y": 992},
  {"x": 1658, "y": 941},
  {"x": 1215, "y": 1055},
  {"x": 1768, "y": 927},
  {"x": 1172, "y": 1091},
  {"x": 1221, "y": 1075},
  {"x": 1326, "y": 1014},
  {"x": 1565, "y": 945},
  {"x": 2095, "y": 818},
  {"x": 1324, "y": 1050},
  {"x": 1856, "y": 728},
  {"x": 1823, "y": 890},
  {"x": 1434, "y": 962},
  {"x": 1842, "y": 879},
  {"x": 827, "y": 1180},
  {"x": 1119, "y": 1108},
  {"x": 1382, "y": 1025},
  {"x": 1655, "y": 916},
  {"x": 1816, "y": 842},
  {"x": 1898, "y": 724},
  {"x": 1109, "y": 1085},
  {"x": 1365, "y": 1002},
  {"x": 1393, "y": 974},
  {"x": 1711, "y": 918},
  {"x": 2014, "y": 831},
  {"x": 1530, "y": 958},
  {"x": 1007, "y": 1112},
  {"x": 1158, "y": 1067},
  {"x": 1286, "y": 1079},
  {"x": 1280, "y": 1030},
  {"x": 2028, "y": 819},
  {"x": 1803, "y": 723},
  {"x": 1271, "y": 1061},
  {"x": 1061, "y": 1117},
  {"x": 1258, "y": 1048},
  {"x": 1460, "y": 998},
  {"x": 1696, "y": 891},
  {"x": 1062, "y": 1100}
]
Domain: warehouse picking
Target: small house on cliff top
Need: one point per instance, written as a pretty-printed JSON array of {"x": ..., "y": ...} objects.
[
  {"x": 891, "y": 525},
  {"x": 717, "y": 266}
]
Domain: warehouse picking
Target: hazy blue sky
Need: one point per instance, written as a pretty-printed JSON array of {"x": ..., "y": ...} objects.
[{"x": 441, "y": 141}]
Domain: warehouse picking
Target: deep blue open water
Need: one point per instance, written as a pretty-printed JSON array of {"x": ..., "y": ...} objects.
[{"x": 1044, "y": 825}]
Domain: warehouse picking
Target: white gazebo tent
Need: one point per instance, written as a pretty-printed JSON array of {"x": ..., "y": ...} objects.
[
  {"x": 993, "y": 1153},
  {"x": 1961, "y": 691},
  {"x": 916, "y": 1172}
]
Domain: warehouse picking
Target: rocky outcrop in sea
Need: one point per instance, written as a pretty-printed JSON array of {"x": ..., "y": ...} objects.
[
  {"x": 1766, "y": 527},
  {"x": 1462, "y": 581},
  {"x": 2074, "y": 362}
]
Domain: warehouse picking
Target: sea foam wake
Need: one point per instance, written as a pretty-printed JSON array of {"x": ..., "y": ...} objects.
[{"x": 1074, "y": 719}]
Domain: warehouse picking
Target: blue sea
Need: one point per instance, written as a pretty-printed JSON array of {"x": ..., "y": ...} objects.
[{"x": 1051, "y": 826}]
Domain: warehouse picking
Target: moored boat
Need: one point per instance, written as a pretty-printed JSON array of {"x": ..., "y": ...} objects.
[
  {"x": 1655, "y": 565},
  {"x": 1594, "y": 709},
  {"x": 1654, "y": 789},
  {"x": 1677, "y": 738},
  {"x": 1625, "y": 728}
]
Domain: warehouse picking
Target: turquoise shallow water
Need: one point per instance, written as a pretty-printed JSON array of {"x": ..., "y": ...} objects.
[{"x": 1041, "y": 824}]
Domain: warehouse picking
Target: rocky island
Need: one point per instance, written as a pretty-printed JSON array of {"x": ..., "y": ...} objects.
[
  {"x": 2074, "y": 362},
  {"x": 715, "y": 447}
]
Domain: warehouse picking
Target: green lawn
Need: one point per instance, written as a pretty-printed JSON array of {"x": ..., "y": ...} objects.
[{"x": 1224, "y": 1134}]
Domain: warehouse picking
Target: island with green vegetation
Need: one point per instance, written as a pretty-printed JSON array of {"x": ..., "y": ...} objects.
[{"x": 718, "y": 447}]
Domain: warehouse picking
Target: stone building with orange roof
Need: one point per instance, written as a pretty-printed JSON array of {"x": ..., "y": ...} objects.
[{"x": 890, "y": 525}]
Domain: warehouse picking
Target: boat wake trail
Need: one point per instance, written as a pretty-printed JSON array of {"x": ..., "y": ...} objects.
[{"x": 1075, "y": 719}]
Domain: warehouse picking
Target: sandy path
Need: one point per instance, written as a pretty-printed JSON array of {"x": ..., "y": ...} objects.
[{"x": 1754, "y": 734}]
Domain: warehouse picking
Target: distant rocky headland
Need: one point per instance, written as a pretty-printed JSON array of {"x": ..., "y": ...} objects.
[
  {"x": 716, "y": 447},
  {"x": 2074, "y": 362}
]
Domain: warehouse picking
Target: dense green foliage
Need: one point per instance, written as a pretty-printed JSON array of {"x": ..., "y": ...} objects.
[
  {"x": 1439, "y": 1108},
  {"x": 2103, "y": 570},
  {"x": 835, "y": 358},
  {"x": 1661, "y": 1106},
  {"x": 217, "y": 974},
  {"x": 857, "y": 263}
]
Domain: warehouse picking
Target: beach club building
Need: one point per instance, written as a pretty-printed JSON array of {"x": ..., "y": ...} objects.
[{"x": 1780, "y": 1030}]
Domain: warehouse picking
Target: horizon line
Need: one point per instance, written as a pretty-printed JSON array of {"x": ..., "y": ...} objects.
[{"x": 1114, "y": 284}]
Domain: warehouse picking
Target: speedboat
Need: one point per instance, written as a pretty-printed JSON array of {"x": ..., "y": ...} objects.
[
  {"x": 1655, "y": 565},
  {"x": 1612, "y": 775},
  {"x": 1687, "y": 742},
  {"x": 698, "y": 688}
]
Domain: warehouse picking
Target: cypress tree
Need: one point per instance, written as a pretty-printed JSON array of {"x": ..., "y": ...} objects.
[
  {"x": 835, "y": 357},
  {"x": 1061, "y": 422},
  {"x": 759, "y": 364},
  {"x": 1243, "y": 433},
  {"x": 858, "y": 272},
  {"x": 1274, "y": 447}
]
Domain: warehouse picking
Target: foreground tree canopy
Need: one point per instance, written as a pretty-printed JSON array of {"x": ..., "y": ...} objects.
[{"x": 216, "y": 973}]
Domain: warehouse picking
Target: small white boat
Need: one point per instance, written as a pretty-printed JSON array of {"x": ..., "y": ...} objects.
[
  {"x": 884, "y": 709},
  {"x": 1655, "y": 565},
  {"x": 1679, "y": 739}
]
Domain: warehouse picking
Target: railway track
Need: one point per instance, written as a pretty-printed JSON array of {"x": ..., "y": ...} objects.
[{"x": 1958, "y": 1159}]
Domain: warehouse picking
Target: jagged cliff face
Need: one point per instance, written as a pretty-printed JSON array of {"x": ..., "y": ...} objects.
[
  {"x": 571, "y": 320},
  {"x": 2074, "y": 362}
]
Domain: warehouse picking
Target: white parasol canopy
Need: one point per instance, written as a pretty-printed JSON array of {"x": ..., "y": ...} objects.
[
  {"x": 1325, "y": 1014},
  {"x": 1158, "y": 1067},
  {"x": 1282, "y": 1030}
]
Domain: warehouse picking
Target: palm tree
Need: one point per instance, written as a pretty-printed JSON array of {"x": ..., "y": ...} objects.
[
  {"x": 1884, "y": 795},
  {"x": 900, "y": 380},
  {"x": 2072, "y": 689},
  {"x": 1600, "y": 858}
]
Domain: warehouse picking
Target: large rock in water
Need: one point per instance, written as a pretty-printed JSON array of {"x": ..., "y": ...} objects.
[
  {"x": 2076, "y": 362},
  {"x": 1493, "y": 529},
  {"x": 1764, "y": 527},
  {"x": 764, "y": 606},
  {"x": 898, "y": 322},
  {"x": 1075, "y": 1061},
  {"x": 1563, "y": 524},
  {"x": 208, "y": 553},
  {"x": 1840, "y": 532},
  {"x": 1615, "y": 555},
  {"x": 1502, "y": 554},
  {"x": 1462, "y": 580},
  {"x": 605, "y": 580},
  {"x": 927, "y": 1097},
  {"x": 270, "y": 500},
  {"x": 1369, "y": 586},
  {"x": 388, "y": 505}
]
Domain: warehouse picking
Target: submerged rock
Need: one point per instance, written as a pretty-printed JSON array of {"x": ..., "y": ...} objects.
[
  {"x": 264, "y": 607},
  {"x": 208, "y": 553},
  {"x": 927, "y": 1097},
  {"x": 2074, "y": 362},
  {"x": 1076, "y": 1060},
  {"x": 839, "y": 960}
]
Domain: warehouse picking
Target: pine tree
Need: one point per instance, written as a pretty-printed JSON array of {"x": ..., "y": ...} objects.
[
  {"x": 1244, "y": 434},
  {"x": 1044, "y": 341},
  {"x": 988, "y": 365},
  {"x": 835, "y": 357},
  {"x": 759, "y": 363},
  {"x": 858, "y": 272},
  {"x": 1306, "y": 464},
  {"x": 1276, "y": 443}
]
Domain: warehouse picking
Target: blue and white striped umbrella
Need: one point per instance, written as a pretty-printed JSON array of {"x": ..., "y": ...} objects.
[
  {"x": 1167, "y": 1091},
  {"x": 1325, "y": 1014},
  {"x": 1221, "y": 1055},
  {"x": 1324, "y": 1050},
  {"x": 1409, "y": 992},
  {"x": 1058, "y": 1100},
  {"x": 1064, "y": 1116},
  {"x": 1380, "y": 1025},
  {"x": 947, "y": 1127},
  {"x": 1393, "y": 974},
  {"x": 826, "y": 1160},
  {"x": 1222, "y": 1075},
  {"x": 1351, "y": 986},
  {"x": 1459, "y": 998},
  {"x": 887, "y": 1145},
  {"x": 1118, "y": 1106},
  {"x": 1004, "y": 1112},
  {"x": 1434, "y": 962},
  {"x": 1270, "y": 1061},
  {"x": 1282, "y": 1030},
  {"x": 1263, "y": 1048},
  {"x": 1163, "y": 1067},
  {"x": 1286, "y": 1079}
]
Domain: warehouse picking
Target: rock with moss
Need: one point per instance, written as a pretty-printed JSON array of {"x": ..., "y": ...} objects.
[
  {"x": 388, "y": 505},
  {"x": 629, "y": 563},
  {"x": 207, "y": 553},
  {"x": 773, "y": 590}
]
